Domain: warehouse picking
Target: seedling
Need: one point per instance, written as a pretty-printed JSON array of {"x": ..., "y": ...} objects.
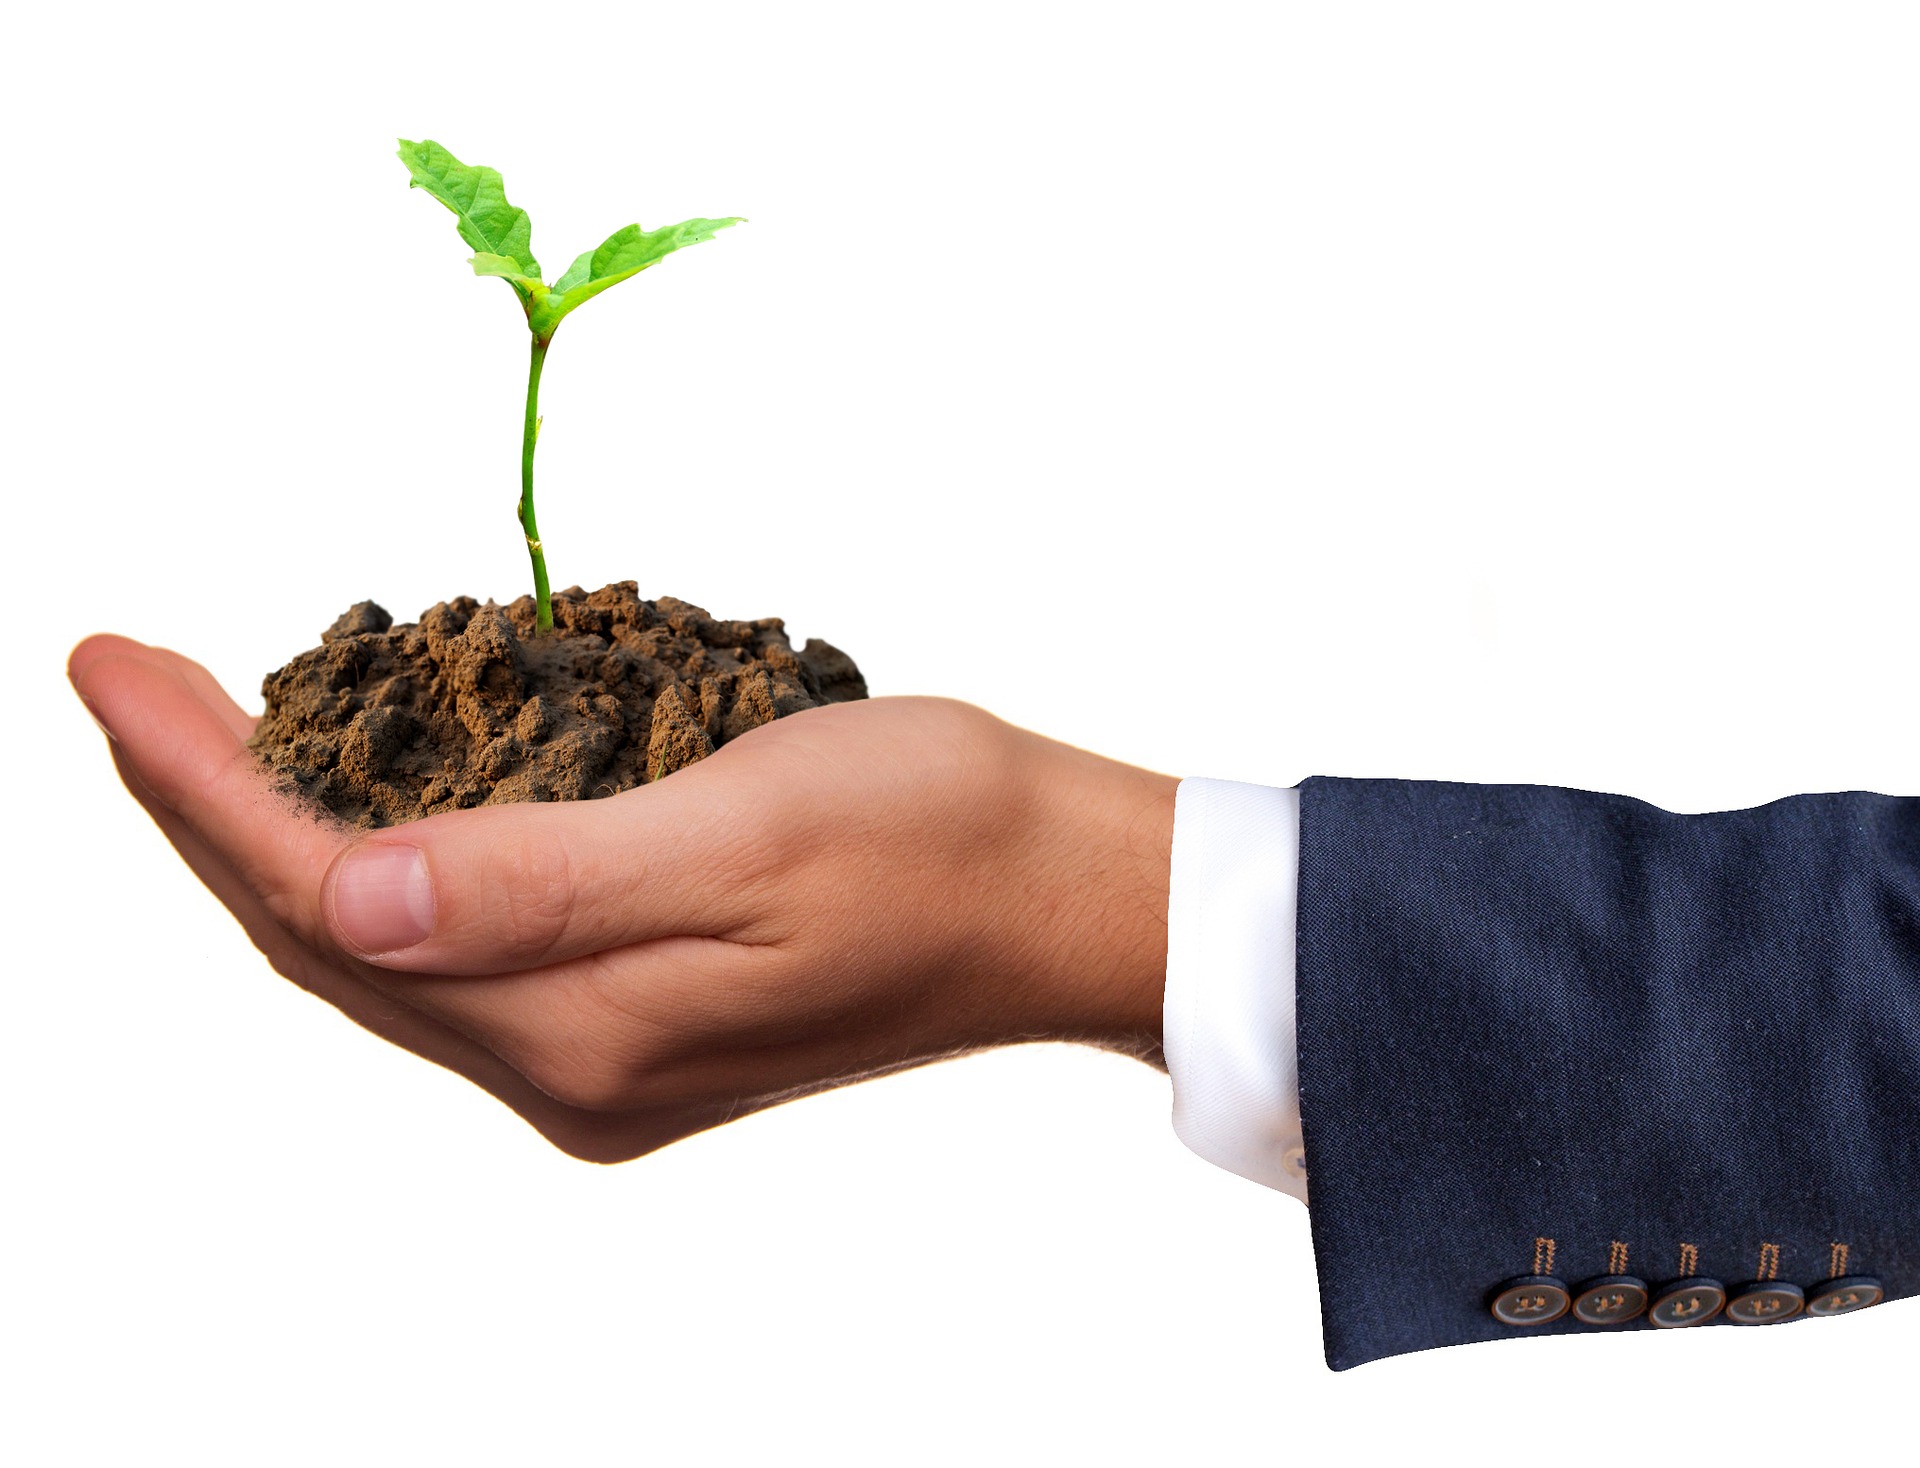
[{"x": 500, "y": 236}]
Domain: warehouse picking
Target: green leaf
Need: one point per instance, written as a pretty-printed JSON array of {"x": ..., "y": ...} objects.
[
  {"x": 501, "y": 234},
  {"x": 624, "y": 254},
  {"x": 531, "y": 288}
]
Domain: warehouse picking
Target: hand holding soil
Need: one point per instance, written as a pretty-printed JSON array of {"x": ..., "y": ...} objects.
[{"x": 849, "y": 890}]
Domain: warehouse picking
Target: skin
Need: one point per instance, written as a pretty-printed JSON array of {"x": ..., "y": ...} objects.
[{"x": 849, "y": 891}]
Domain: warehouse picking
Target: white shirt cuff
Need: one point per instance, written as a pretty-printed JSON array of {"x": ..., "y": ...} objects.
[{"x": 1229, "y": 1019}]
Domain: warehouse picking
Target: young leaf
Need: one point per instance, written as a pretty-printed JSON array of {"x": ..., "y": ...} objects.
[
  {"x": 532, "y": 290},
  {"x": 623, "y": 255},
  {"x": 501, "y": 237},
  {"x": 501, "y": 234}
]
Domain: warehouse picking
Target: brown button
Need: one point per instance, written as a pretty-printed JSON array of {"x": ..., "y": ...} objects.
[
  {"x": 1687, "y": 1302},
  {"x": 1765, "y": 1302},
  {"x": 1612, "y": 1299},
  {"x": 1845, "y": 1295},
  {"x": 1532, "y": 1299}
]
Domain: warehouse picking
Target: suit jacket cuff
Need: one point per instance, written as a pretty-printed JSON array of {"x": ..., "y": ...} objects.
[{"x": 1565, "y": 1037}]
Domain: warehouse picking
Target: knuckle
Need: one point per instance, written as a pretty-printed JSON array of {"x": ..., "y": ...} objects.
[
  {"x": 754, "y": 853},
  {"x": 581, "y": 1080},
  {"x": 286, "y": 959},
  {"x": 752, "y": 858},
  {"x": 530, "y": 896},
  {"x": 599, "y": 1048},
  {"x": 290, "y": 912}
]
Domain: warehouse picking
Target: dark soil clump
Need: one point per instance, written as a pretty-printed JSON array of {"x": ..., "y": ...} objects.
[{"x": 383, "y": 724}]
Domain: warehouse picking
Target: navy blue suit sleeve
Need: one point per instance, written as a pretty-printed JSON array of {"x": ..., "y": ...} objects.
[{"x": 1543, "y": 1027}]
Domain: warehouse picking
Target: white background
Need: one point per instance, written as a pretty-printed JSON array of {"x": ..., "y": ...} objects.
[{"x": 1486, "y": 391}]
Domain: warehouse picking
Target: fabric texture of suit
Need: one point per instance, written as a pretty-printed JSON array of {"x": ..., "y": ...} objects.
[{"x": 1535, "y": 1016}]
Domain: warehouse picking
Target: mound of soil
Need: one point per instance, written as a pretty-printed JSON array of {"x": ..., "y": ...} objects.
[{"x": 383, "y": 724}]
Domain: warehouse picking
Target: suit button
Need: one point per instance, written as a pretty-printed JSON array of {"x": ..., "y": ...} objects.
[
  {"x": 1612, "y": 1299},
  {"x": 1844, "y": 1296},
  {"x": 1765, "y": 1302},
  {"x": 1687, "y": 1302},
  {"x": 1532, "y": 1299}
]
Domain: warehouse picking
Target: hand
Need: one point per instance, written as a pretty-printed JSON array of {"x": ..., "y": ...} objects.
[{"x": 848, "y": 891}]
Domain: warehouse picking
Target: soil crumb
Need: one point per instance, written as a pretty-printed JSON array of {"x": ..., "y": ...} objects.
[{"x": 382, "y": 724}]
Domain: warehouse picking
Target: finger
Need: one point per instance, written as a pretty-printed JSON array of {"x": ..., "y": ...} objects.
[
  {"x": 505, "y": 888},
  {"x": 90, "y": 650},
  {"x": 590, "y": 1031},
  {"x": 209, "y": 691},
  {"x": 680, "y": 1027},
  {"x": 193, "y": 760},
  {"x": 281, "y": 948},
  {"x": 385, "y": 1015},
  {"x": 376, "y": 1010},
  {"x": 203, "y": 683},
  {"x": 469, "y": 892}
]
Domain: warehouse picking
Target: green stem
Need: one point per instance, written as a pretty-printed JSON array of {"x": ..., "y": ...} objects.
[{"x": 543, "y": 599}]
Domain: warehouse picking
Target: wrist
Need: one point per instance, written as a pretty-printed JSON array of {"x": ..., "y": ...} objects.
[{"x": 1093, "y": 897}]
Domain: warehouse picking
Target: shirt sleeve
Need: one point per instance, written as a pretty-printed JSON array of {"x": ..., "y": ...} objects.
[{"x": 1229, "y": 1016}]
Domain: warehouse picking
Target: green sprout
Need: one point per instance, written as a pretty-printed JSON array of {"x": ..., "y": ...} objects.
[{"x": 501, "y": 237}]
